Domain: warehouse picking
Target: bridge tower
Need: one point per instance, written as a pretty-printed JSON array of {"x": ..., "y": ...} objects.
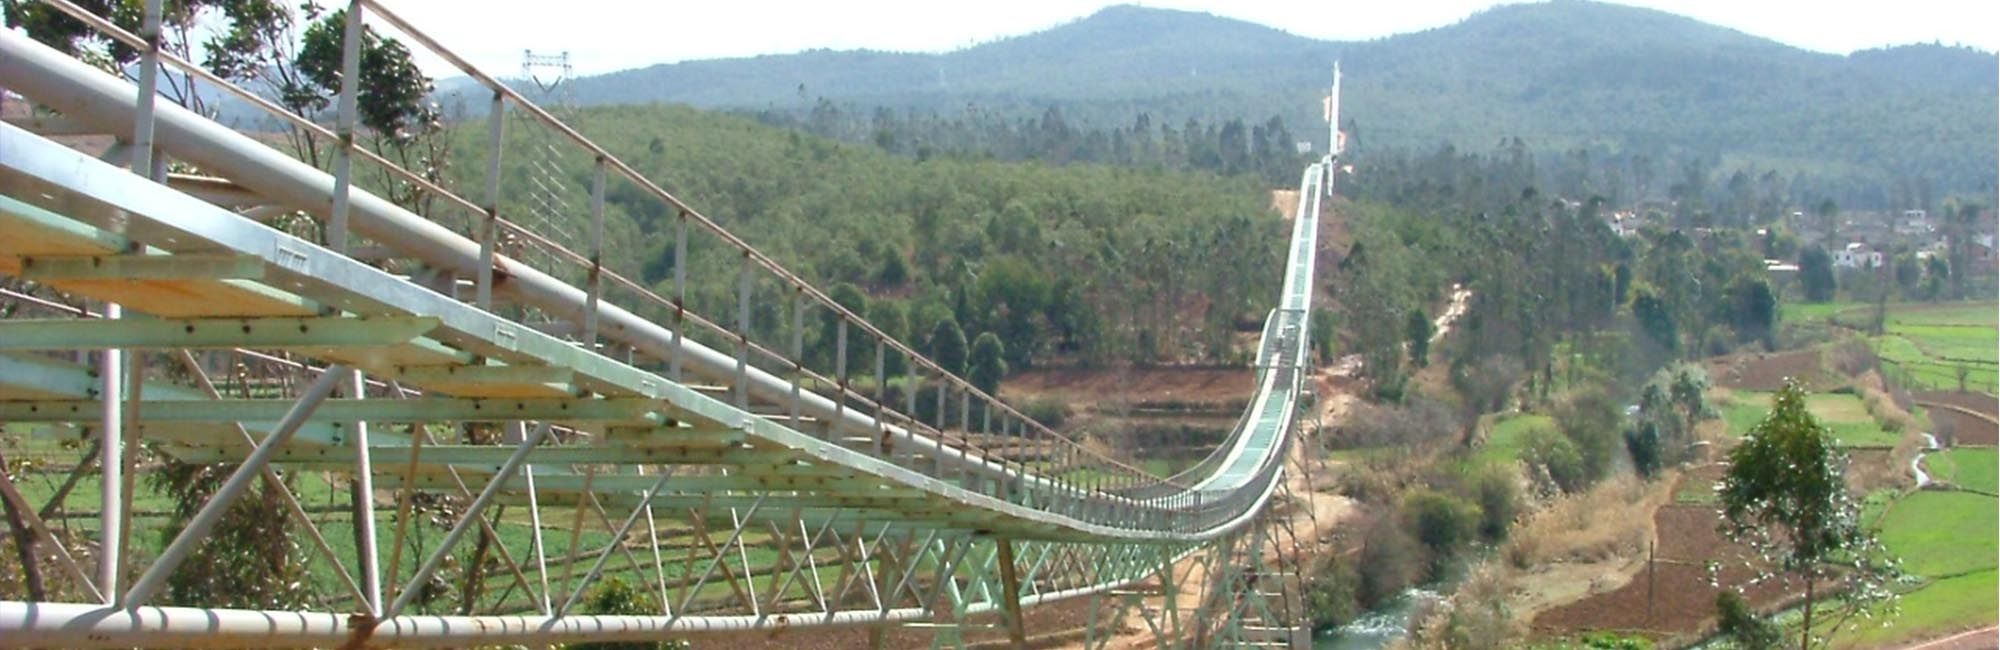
[{"x": 550, "y": 210}]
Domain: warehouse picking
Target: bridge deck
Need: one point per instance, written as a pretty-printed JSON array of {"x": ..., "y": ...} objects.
[{"x": 741, "y": 446}]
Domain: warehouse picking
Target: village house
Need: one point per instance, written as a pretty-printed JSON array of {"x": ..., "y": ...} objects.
[{"x": 1857, "y": 255}]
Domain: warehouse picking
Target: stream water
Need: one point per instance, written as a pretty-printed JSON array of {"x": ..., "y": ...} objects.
[
  {"x": 1378, "y": 628},
  {"x": 1917, "y": 464}
]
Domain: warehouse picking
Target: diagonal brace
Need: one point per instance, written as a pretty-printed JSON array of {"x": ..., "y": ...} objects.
[{"x": 197, "y": 529}]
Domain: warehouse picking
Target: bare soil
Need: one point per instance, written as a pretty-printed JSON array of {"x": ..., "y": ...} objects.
[
  {"x": 1285, "y": 203},
  {"x": 1971, "y": 429},
  {"x": 1768, "y": 371},
  {"x": 1674, "y": 598}
]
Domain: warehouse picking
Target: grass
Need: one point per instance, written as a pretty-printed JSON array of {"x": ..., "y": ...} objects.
[
  {"x": 1695, "y": 491},
  {"x": 1928, "y": 342},
  {"x": 1955, "y": 603},
  {"x": 1966, "y": 467},
  {"x": 1941, "y": 534},
  {"x": 1933, "y": 343},
  {"x": 1947, "y": 544},
  {"x": 1844, "y": 414},
  {"x": 1807, "y": 311},
  {"x": 1166, "y": 466},
  {"x": 1508, "y": 437}
]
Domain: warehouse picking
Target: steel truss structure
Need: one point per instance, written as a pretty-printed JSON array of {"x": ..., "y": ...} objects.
[{"x": 420, "y": 401}]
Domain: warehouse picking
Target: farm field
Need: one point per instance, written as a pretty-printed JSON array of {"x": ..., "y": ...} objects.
[
  {"x": 1928, "y": 343},
  {"x": 1969, "y": 468},
  {"x": 1947, "y": 545},
  {"x": 1509, "y": 437},
  {"x": 1842, "y": 413}
]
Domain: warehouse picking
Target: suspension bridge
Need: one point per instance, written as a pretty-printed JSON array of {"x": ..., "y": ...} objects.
[{"x": 508, "y": 386}]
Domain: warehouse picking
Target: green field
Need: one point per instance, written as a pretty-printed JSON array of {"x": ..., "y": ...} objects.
[
  {"x": 1934, "y": 609},
  {"x": 1844, "y": 414},
  {"x": 1796, "y": 312},
  {"x": 1966, "y": 467},
  {"x": 1947, "y": 544},
  {"x": 1925, "y": 345},
  {"x": 1508, "y": 438},
  {"x": 1942, "y": 534},
  {"x": 1932, "y": 344}
]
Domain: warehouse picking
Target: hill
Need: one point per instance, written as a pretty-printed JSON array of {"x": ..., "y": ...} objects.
[
  {"x": 1561, "y": 75},
  {"x": 1054, "y": 261}
]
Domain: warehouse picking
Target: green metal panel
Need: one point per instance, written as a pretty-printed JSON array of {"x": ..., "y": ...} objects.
[
  {"x": 185, "y": 266},
  {"x": 82, "y": 334},
  {"x": 492, "y": 374},
  {"x": 429, "y": 409}
]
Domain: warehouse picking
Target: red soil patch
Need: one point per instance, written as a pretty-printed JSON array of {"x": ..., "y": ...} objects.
[
  {"x": 1677, "y": 600},
  {"x": 1980, "y": 402},
  {"x": 1969, "y": 429},
  {"x": 1765, "y": 372}
]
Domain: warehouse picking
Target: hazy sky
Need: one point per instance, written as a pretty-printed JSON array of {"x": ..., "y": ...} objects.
[{"x": 606, "y": 35}]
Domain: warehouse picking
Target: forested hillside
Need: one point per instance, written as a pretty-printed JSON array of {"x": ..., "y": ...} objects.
[
  {"x": 1563, "y": 76},
  {"x": 1084, "y": 262}
]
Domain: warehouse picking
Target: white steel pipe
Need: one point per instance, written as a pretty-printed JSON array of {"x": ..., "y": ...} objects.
[{"x": 63, "y": 625}]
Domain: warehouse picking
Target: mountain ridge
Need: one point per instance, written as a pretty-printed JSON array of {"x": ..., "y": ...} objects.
[{"x": 1561, "y": 75}]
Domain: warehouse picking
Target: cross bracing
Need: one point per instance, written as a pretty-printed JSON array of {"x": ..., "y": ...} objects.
[{"x": 574, "y": 423}]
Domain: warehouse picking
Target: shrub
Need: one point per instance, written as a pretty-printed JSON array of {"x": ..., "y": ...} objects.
[
  {"x": 1443, "y": 523},
  {"x": 1051, "y": 412},
  {"x": 1416, "y": 422},
  {"x": 1389, "y": 563},
  {"x": 1735, "y": 620},
  {"x": 1554, "y": 455},
  {"x": 1499, "y": 497},
  {"x": 1333, "y": 594},
  {"x": 1643, "y": 442},
  {"x": 1852, "y": 357},
  {"x": 616, "y": 597},
  {"x": 1591, "y": 420}
]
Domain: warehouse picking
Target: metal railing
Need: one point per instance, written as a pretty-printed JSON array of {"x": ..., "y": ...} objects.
[{"x": 598, "y": 323}]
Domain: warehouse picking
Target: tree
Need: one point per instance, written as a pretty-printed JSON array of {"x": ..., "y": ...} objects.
[
  {"x": 1753, "y": 309},
  {"x": 1816, "y": 274},
  {"x": 1591, "y": 419},
  {"x": 1909, "y": 272},
  {"x": 988, "y": 363},
  {"x": 1785, "y": 495},
  {"x": 1656, "y": 318},
  {"x": 1419, "y": 330},
  {"x": 1936, "y": 271},
  {"x": 1829, "y": 220},
  {"x": 1643, "y": 442},
  {"x": 946, "y": 345},
  {"x": 1670, "y": 405}
]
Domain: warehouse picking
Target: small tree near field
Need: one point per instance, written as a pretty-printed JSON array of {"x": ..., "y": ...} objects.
[{"x": 1786, "y": 497}]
